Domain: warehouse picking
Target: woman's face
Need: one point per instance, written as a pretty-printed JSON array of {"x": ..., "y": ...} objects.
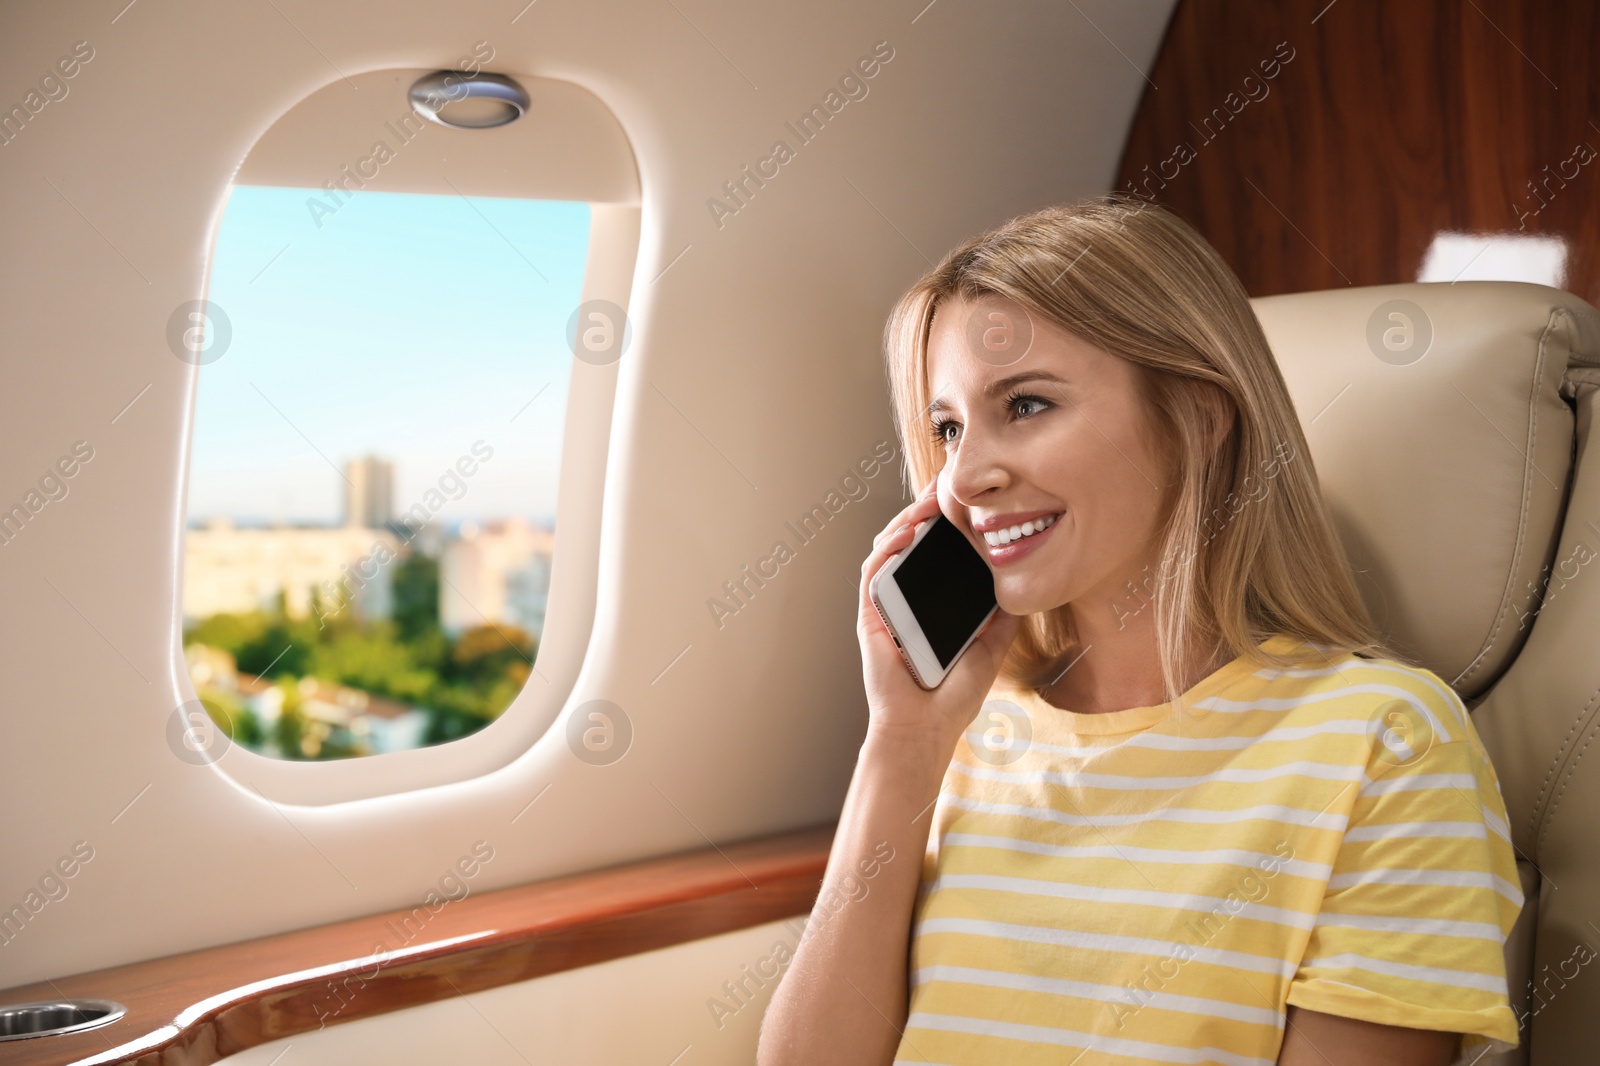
[{"x": 1039, "y": 425}]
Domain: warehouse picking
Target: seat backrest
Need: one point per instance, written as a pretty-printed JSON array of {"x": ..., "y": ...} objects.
[{"x": 1448, "y": 424}]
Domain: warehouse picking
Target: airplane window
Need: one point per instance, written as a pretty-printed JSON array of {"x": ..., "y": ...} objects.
[
  {"x": 1495, "y": 257},
  {"x": 377, "y": 436}
]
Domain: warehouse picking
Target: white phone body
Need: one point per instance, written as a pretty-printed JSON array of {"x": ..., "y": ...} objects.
[{"x": 908, "y": 631}]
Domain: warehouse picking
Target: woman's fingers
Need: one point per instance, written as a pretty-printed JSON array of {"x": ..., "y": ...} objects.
[
  {"x": 903, "y": 527},
  {"x": 926, "y": 507},
  {"x": 905, "y": 512}
]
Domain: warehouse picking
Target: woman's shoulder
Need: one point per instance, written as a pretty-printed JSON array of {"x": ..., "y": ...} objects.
[
  {"x": 1383, "y": 686},
  {"x": 1313, "y": 659}
]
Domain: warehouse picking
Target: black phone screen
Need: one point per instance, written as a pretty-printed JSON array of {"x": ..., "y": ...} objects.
[{"x": 948, "y": 586}]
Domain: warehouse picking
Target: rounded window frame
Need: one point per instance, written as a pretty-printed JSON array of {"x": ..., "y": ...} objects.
[{"x": 590, "y": 159}]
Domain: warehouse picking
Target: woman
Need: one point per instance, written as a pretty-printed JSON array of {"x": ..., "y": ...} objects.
[{"x": 1179, "y": 802}]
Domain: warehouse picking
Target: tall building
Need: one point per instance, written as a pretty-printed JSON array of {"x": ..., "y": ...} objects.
[{"x": 368, "y": 492}]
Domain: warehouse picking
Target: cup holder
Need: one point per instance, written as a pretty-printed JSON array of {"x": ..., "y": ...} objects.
[{"x": 19, "y": 1021}]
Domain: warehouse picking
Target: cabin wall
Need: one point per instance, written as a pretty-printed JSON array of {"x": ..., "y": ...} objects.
[
  {"x": 753, "y": 385},
  {"x": 1371, "y": 127}
]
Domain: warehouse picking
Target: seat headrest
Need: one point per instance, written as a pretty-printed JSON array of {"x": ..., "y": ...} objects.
[{"x": 1444, "y": 445}]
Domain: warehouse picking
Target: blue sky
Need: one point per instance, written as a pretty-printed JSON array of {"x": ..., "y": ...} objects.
[{"x": 407, "y": 325}]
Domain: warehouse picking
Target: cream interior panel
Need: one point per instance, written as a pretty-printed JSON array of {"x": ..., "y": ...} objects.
[{"x": 753, "y": 386}]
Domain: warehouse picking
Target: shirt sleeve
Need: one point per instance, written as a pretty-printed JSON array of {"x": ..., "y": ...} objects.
[{"x": 1424, "y": 889}]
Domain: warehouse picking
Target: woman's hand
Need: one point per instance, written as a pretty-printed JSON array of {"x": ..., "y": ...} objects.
[
  {"x": 843, "y": 1000},
  {"x": 898, "y": 706}
]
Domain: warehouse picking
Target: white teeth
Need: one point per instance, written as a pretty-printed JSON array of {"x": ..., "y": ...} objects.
[{"x": 999, "y": 537}]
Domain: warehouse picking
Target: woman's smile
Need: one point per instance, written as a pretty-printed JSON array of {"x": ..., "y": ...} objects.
[{"x": 1009, "y": 544}]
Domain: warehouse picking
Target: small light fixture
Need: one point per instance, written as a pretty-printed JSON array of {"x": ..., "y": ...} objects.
[
  {"x": 475, "y": 101},
  {"x": 1541, "y": 259}
]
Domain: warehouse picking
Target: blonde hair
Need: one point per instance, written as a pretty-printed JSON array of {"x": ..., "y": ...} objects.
[{"x": 1134, "y": 280}]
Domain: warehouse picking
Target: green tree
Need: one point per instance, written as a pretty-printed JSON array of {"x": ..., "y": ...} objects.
[
  {"x": 230, "y": 632},
  {"x": 485, "y": 654},
  {"x": 290, "y": 727},
  {"x": 448, "y": 723},
  {"x": 284, "y": 648},
  {"x": 487, "y": 666},
  {"x": 332, "y": 612},
  {"x": 260, "y": 639},
  {"x": 415, "y": 588},
  {"x": 430, "y": 650},
  {"x": 370, "y": 659}
]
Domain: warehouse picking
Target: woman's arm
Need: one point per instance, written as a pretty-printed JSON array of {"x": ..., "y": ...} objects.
[{"x": 842, "y": 1000}]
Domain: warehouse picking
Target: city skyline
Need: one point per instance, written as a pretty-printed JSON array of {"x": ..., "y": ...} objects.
[{"x": 384, "y": 512}]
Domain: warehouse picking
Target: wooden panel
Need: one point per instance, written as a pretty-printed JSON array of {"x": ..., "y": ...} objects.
[
  {"x": 1389, "y": 123},
  {"x": 195, "y": 1008}
]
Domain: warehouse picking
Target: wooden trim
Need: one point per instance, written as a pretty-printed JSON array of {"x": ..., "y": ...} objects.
[
  {"x": 1391, "y": 123},
  {"x": 201, "y": 1006}
]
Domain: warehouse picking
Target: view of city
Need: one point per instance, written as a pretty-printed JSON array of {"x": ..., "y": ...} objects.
[
  {"x": 316, "y": 642},
  {"x": 373, "y": 470}
]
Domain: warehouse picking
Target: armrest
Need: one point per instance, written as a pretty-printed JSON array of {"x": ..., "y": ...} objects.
[{"x": 201, "y": 1006}]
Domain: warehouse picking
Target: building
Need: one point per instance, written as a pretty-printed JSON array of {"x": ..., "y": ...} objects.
[
  {"x": 240, "y": 570},
  {"x": 368, "y": 493},
  {"x": 496, "y": 572}
]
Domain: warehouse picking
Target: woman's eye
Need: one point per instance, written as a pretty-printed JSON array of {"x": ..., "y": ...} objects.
[
  {"x": 1020, "y": 400},
  {"x": 1014, "y": 403}
]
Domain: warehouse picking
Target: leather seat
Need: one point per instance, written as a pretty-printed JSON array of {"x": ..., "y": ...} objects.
[{"x": 1450, "y": 425}]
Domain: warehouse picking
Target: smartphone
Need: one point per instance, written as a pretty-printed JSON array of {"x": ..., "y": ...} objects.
[{"x": 935, "y": 597}]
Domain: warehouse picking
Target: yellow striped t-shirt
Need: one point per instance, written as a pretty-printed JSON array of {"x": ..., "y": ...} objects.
[{"x": 1157, "y": 884}]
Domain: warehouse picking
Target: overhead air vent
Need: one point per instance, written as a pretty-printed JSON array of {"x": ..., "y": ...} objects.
[{"x": 468, "y": 102}]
